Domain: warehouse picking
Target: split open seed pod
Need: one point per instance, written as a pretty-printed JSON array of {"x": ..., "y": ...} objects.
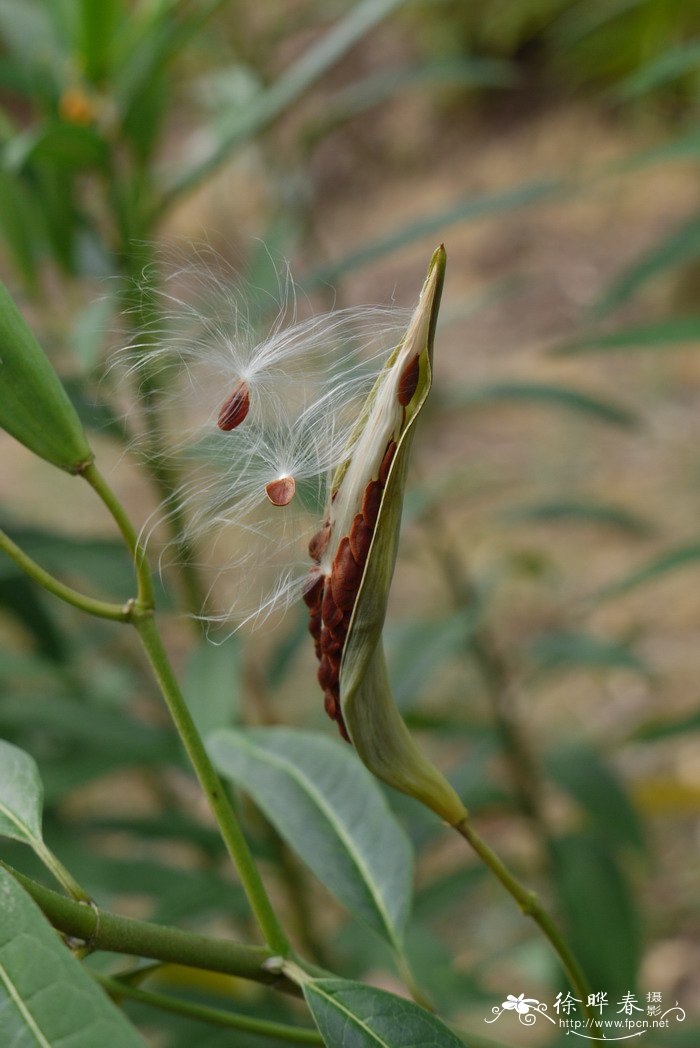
[
  {"x": 34, "y": 406},
  {"x": 362, "y": 535}
]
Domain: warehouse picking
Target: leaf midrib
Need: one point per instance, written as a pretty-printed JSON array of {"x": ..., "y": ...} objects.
[
  {"x": 310, "y": 789},
  {"x": 335, "y": 1003},
  {"x": 27, "y": 834},
  {"x": 22, "y": 1008}
]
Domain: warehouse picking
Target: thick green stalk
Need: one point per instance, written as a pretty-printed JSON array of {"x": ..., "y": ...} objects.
[
  {"x": 101, "y": 608},
  {"x": 216, "y": 1016},
  {"x": 107, "y": 931},
  {"x": 531, "y": 907},
  {"x": 141, "y": 617},
  {"x": 211, "y": 784}
]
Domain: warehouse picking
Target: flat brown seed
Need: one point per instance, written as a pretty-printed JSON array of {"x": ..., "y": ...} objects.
[
  {"x": 327, "y": 672},
  {"x": 408, "y": 383},
  {"x": 330, "y": 704},
  {"x": 319, "y": 542},
  {"x": 281, "y": 492},
  {"x": 386, "y": 462},
  {"x": 315, "y": 625},
  {"x": 312, "y": 591},
  {"x": 329, "y": 644},
  {"x": 331, "y": 613},
  {"x": 235, "y": 408},
  {"x": 360, "y": 539},
  {"x": 371, "y": 502},
  {"x": 345, "y": 576}
]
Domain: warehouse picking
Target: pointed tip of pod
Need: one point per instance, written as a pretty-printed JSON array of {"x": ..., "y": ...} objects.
[
  {"x": 281, "y": 491},
  {"x": 235, "y": 408}
]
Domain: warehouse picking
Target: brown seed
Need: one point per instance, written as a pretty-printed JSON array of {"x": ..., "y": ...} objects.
[
  {"x": 319, "y": 542},
  {"x": 315, "y": 625},
  {"x": 386, "y": 462},
  {"x": 371, "y": 502},
  {"x": 331, "y": 613},
  {"x": 281, "y": 492},
  {"x": 408, "y": 382},
  {"x": 330, "y": 704},
  {"x": 328, "y": 672},
  {"x": 312, "y": 591},
  {"x": 345, "y": 576},
  {"x": 329, "y": 644},
  {"x": 235, "y": 407},
  {"x": 360, "y": 539}
]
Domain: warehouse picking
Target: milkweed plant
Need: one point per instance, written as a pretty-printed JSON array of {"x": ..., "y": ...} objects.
[{"x": 291, "y": 454}]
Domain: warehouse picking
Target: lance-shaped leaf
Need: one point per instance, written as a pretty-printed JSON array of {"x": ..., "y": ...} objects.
[
  {"x": 47, "y": 999},
  {"x": 350, "y": 1015},
  {"x": 34, "y": 406},
  {"x": 371, "y": 716},
  {"x": 21, "y": 805},
  {"x": 325, "y": 805}
]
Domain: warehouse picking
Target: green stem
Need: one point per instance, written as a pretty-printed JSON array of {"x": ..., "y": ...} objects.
[
  {"x": 141, "y": 617},
  {"x": 211, "y": 784},
  {"x": 64, "y": 877},
  {"x": 101, "y": 608},
  {"x": 113, "y": 933},
  {"x": 261, "y": 1027},
  {"x": 93, "y": 476},
  {"x": 531, "y": 907}
]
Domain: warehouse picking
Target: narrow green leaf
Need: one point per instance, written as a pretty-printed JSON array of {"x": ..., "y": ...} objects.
[
  {"x": 664, "y": 729},
  {"x": 99, "y": 20},
  {"x": 673, "y": 331},
  {"x": 419, "y": 649},
  {"x": 350, "y": 1015},
  {"x": 591, "y": 781},
  {"x": 564, "y": 649},
  {"x": 291, "y": 85},
  {"x": 47, "y": 999},
  {"x": 578, "y": 511},
  {"x": 672, "y": 560},
  {"x": 600, "y": 911},
  {"x": 540, "y": 393},
  {"x": 87, "y": 727},
  {"x": 666, "y": 67},
  {"x": 680, "y": 246},
  {"x": 21, "y": 796},
  {"x": 67, "y": 146},
  {"x": 466, "y": 209},
  {"x": 327, "y": 807},
  {"x": 18, "y": 226},
  {"x": 682, "y": 147},
  {"x": 373, "y": 90},
  {"x": 94, "y": 413},
  {"x": 34, "y": 407},
  {"x": 212, "y": 685}
]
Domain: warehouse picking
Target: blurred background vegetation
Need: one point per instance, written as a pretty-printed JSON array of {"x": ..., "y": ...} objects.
[{"x": 543, "y": 630}]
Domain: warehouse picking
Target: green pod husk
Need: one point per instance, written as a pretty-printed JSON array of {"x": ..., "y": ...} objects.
[
  {"x": 34, "y": 406},
  {"x": 371, "y": 716}
]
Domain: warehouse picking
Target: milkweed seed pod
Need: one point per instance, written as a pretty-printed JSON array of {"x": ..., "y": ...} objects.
[
  {"x": 355, "y": 550},
  {"x": 256, "y": 419},
  {"x": 34, "y": 406}
]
